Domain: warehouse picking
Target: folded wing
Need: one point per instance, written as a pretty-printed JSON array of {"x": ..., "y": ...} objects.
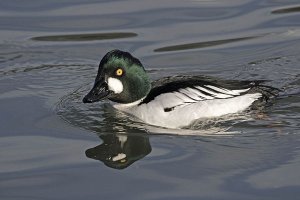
[{"x": 178, "y": 91}]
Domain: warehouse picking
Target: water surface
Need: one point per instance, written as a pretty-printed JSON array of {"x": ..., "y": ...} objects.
[{"x": 53, "y": 146}]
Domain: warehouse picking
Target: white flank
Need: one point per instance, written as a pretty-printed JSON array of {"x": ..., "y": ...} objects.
[
  {"x": 115, "y": 85},
  {"x": 185, "y": 113}
]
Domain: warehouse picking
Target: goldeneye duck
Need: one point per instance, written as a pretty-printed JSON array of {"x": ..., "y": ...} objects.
[{"x": 171, "y": 102}]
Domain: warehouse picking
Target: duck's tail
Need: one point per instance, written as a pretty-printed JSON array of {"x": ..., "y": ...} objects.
[
  {"x": 268, "y": 92},
  {"x": 268, "y": 95}
]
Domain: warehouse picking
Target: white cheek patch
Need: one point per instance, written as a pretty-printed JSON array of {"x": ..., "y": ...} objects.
[{"x": 115, "y": 85}]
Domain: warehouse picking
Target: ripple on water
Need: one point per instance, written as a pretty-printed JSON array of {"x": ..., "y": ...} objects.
[
  {"x": 248, "y": 155},
  {"x": 198, "y": 45},
  {"x": 50, "y": 80},
  {"x": 103, "y": 118},
  {"x": 286, "y": 10},
  {"x": 85, "y": 37}
]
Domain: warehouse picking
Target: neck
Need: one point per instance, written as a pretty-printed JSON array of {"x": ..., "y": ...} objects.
[{"x": 123, "y": 106}]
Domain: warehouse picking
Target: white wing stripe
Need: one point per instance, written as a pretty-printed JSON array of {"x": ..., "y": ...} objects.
[
  {"x": 194, "y": 94},
  {"x": 190, "y": 94},
  {"x": 183, "y": 97},
  {"x": 222, "y": 90},
  {"x": 240, "y": 91},
  {"x": 230, "y": 92},
  {"x": 218, "y": 95},
  {"x": 201, "y": 94}
]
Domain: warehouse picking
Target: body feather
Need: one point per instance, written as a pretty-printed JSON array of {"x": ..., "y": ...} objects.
[{"x": 179, "y": 100}]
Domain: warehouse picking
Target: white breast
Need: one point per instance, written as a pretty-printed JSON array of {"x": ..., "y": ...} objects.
[{"x": 154, "y": 113}]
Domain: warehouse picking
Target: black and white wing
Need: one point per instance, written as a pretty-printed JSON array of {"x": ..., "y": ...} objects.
[{"x": 177, "y": 91}]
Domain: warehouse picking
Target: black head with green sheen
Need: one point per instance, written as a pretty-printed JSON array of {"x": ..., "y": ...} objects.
[{"x": 121, "y": 78}]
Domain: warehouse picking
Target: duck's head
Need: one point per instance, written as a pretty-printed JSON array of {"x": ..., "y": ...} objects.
[{"x": 121, "y": 78}]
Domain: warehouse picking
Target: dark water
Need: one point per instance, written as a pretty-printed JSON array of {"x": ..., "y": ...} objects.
[{"x": 54, "y": 147}]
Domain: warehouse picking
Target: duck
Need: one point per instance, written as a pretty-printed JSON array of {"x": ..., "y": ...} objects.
[{"x": 173, "y": 101}]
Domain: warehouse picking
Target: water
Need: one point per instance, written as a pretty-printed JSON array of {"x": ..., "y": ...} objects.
[{"x": 54, "y": 147}]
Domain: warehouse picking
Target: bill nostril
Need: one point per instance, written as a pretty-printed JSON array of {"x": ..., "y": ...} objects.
[{"x": 97, "y": 93}]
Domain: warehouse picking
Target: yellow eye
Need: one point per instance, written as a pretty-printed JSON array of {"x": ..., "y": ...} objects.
[{"x": 119, "y": 72}]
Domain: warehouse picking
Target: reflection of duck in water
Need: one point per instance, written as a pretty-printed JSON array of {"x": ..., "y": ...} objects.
[
  {"x": 120, "y": 150},
  {"x": 171, "y": 102}
]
